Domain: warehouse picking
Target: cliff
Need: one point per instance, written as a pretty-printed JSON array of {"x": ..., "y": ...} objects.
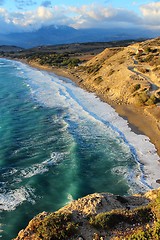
[{"x": 100, "y": 216}]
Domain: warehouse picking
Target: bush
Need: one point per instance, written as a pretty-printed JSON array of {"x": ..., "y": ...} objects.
[
  {"x": 143, "y": 96},
  {"x": 136, "y": 87},
  {"x": 56, "y": 226},
  {"x": 109, "y": 220},
  {"x": 152, "y": 100},
  {"x": 106, "y": 220}
]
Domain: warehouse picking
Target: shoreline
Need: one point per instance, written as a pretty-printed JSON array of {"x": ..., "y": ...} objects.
[
  {"x": 136, "y": 120},
  {"x": 139, "y": 121}
]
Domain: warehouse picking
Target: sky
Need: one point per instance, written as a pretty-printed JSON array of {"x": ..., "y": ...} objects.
[{"x": 28, "y": 15}]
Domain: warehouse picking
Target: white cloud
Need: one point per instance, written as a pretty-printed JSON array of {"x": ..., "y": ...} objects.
[
  {"x": 27, "y": 20},
  {"x": 86, "y": 16},
  {"x": 99, "y": 16},
  {"x": 44, "y": 13},
  {"x": 151, "y": 14},
  {"x": 6, "y": 24}
]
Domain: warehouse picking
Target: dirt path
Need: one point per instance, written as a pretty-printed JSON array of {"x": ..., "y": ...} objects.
[{"x": 153, "y": 87}]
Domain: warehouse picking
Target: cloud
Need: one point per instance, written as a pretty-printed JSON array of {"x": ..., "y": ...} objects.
[
  {"x": 46, "y": 4},
  {"x": 6, "y": 24},
  {"x": 151, "y": 14},
  {"x": 100, "y": 16},
  {"x": 33, "y": 19},
  {"x": 86, "y": 16}
]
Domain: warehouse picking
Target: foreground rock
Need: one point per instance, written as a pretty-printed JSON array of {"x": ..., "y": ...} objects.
[{"x": 100, "y": 216}]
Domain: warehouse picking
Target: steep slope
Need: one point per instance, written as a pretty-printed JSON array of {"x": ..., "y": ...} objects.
[
  {"x": 100, "y": 216},
  {"x": 128, "y": 79},
  {"x": 125, "y": 75}
]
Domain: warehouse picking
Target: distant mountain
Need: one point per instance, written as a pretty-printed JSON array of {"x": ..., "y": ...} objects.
[
  {"x": 52, "y": 35},
  {"x": 8, "y": 48}
]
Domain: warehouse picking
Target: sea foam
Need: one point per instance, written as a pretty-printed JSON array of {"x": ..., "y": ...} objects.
[{"x": 54, "y": 91}]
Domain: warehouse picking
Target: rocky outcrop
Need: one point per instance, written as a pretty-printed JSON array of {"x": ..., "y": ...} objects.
[{"x": 99, "y": 216}]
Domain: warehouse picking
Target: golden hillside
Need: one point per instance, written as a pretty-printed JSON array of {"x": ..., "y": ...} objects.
[{"x": 127, "y": 75}]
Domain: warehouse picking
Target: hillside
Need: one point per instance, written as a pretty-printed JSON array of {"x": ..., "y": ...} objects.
[
  {"x": 128, "y": 78},
  {"x": 98, "y": 217},
  {"x": 124, "y": 73},
  {"x": 127, "y": 75}
]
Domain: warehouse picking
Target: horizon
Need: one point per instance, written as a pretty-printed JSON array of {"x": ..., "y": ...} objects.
[{"x": 24, "y": 15}]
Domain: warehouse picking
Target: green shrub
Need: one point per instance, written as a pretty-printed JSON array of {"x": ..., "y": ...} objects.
[
  {"x": 143, "y": 96},
  {"x": 156, "y": 230},
  {"x": 148, "y": 49},
  {"x": 152, "y": 100},
  {"x": 56, "y": 226},
  {"x": 141, "y": 235},
  {"x": 109, "y": 220},
  {"x": 106, "y": 220},
  {"x": 136, "y": 87},
  {"x": 150, "y": 233}
]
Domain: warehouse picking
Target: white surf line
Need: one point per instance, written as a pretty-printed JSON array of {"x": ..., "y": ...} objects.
[
  {"x": 140, "y": 153},
  {"x": 144, "y": 152}
]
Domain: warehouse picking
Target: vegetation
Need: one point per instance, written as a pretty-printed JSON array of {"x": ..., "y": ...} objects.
[
  {"x": 110, "y": 220},
  {"x": 150, "y": 56},
  {"x": 140, "y": 223},
  {"x": 144, "y": 97},
  {"x": 136, "y": 87},
  {"x": 55, "y": 60},
  {"x": 146, "y": 233},
  {"x": 145, "y": 219},
  {"x": 56, "y": 226}
]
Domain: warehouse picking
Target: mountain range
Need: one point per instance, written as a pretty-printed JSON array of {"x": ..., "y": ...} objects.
[{"x": 52, "y": 35}]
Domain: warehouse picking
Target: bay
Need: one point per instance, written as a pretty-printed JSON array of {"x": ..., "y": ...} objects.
[{"x": 59, "y": 143}]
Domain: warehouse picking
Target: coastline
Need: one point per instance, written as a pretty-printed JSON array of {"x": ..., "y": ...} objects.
[{"x": 140, "y": 121}]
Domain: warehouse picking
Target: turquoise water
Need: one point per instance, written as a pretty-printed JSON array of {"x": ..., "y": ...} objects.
[{"x": 57, "y": 143}]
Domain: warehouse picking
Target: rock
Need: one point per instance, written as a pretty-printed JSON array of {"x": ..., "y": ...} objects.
[{"x": 158, "y": 181}]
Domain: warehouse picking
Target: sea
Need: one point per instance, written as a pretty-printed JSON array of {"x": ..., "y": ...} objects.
[{"x": 59, "y": 143}]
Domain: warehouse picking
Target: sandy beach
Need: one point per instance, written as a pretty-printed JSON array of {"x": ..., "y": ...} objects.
[{"x": 140, "y": 121}]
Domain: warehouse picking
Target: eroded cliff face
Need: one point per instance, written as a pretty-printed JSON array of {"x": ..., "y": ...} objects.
[{"x": 100, "y": 216}]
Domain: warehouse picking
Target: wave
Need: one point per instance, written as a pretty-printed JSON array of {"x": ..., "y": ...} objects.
[
  {"x": 13, "y": 198},
  {"x": 50, "y": 91}
]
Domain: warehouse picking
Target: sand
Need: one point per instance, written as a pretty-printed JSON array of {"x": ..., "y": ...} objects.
[{"x": 140, "y": 120}]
